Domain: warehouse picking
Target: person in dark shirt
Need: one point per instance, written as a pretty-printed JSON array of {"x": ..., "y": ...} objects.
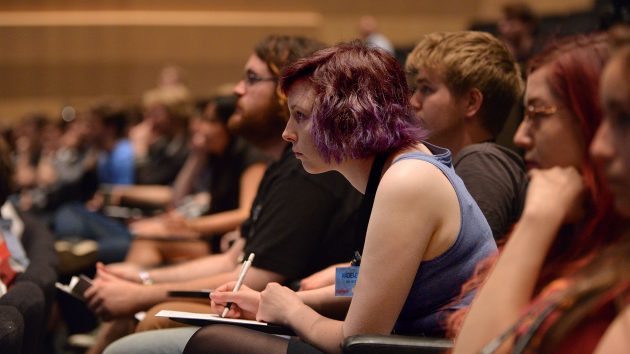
[
  {"x": 299, "y": 223},
  {"x": 350, "y": 113},
  {"x": 465, "y": 85},
  {"x": 220, "y": 178},
  {"x": 160, "y": 141}
]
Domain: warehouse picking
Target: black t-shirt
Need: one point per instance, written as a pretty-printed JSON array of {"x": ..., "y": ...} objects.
[
  {"x": 163, "y": 161},
  {"x": 224, "y": 174},
  {"x": 495, "y": 177},
  {"x": 301, "y": 223}
]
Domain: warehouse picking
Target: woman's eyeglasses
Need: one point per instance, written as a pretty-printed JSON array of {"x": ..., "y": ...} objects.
[{"x": 534, "y": 114}]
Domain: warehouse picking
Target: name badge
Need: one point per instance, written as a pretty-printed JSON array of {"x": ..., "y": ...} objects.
[{"x": 345, "y": 280}]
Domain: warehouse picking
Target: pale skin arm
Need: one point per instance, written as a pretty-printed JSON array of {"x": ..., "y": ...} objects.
[
  {"x": 198, "y": 268},
  {"x": 551, "y": 199},
  {"x": 45, "y": 173},
  {"x": 112, "y": 297},
  {"x": 323, "y": 278},
  {"x": 414, "y": 207},
  {"x": 141, "y": 137},
  {"x": 154, "y": 195},
  {"x": 229, "y": 220},
  {"x": 256, "y": 278},
  {"x": 324, "y": 301},
  {"x": 162, "y": 196},
  {"x": 616, "y": 339},
  {"x": 218, "y": 223},
  {"x": 246, "y": 301},
  {"x": 25, "y": 174}
]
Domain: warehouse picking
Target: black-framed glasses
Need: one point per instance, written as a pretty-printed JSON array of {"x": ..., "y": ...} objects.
[
  {"x": 536, "y": 113},
  {"x": 251, "y": 78}
]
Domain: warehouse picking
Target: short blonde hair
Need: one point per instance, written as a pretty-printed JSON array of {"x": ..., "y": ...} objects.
[
  {"x": 467, "y": 60},
  {"x": 176, "y": 99}
]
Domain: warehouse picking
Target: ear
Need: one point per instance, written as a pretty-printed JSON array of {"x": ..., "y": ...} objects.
[{"x": 473, "y": 100}]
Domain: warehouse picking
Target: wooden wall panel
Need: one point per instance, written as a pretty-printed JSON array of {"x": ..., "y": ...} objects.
[{"x": 49, "y": 58}]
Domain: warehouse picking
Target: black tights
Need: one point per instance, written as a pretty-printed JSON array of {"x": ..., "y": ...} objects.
[{"x": 219, "y": 339}]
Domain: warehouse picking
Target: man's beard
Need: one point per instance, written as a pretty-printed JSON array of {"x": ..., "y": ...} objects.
[{"x": 261, "y": 128}]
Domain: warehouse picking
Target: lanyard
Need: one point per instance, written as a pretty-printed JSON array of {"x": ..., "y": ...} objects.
[{"x": 365, "y": 209}]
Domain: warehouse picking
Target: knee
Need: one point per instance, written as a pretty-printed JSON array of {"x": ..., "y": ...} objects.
[
  {"x": 152, "y": 322},
  {"x": 153, "y": 342},
  {"x": 126, "y": 345}
]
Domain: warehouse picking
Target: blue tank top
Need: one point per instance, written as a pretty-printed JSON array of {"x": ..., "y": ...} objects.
[{"x": 438, "y": 281}]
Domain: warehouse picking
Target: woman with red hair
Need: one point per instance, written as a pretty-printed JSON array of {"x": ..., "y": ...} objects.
[{"x": 551, "y": 290}]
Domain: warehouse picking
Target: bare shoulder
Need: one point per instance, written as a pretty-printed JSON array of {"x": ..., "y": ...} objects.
[
  {"x": 420, "y": 200},
  {"x": 418, "y": 187},
  {"x": 615, "y": 339},
  {"x": 415, "y": 177}
]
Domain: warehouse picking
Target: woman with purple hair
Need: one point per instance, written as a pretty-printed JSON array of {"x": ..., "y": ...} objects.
[{"x": 349, "y": 112}]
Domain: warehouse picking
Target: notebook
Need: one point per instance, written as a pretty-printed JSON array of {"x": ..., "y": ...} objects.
[{"x": 204, "y": 319}]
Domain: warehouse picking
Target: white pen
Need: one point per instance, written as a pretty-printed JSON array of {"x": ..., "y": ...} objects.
[{"x": 239, "y": 281}]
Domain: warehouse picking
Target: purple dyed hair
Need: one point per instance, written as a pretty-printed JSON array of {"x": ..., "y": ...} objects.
[{"x": 361, "y": 106}]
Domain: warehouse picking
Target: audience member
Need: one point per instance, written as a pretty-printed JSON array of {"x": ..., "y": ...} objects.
[
  {"x": 610, "y": 148},
  {"x": 66, "y": 170},
  {"x": 567, "y": 222},
  {"x": 160, "y": 140},
  {"x": 115, "y": 165},
  {"x": 171, "y": 76},
  {"x": 430, "y": 163},
  {"x": 216, "y": 161},
  {"x": 28, "y": 265},
  {"x": 28, "y": 138},
  {"x": 517, "y": 29},
  {"x": 465, "y": 85},
  {"x": 154, "y": 198},
  {"x": 85, "y": 235},
  {"x": 346, "y": 117},
  {"x": 299, "y": 223},
  {"x": 368, "y": 31}
]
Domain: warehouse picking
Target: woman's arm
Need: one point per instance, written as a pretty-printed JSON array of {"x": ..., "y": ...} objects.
[
  {"x": 154, "y": 195},
  {"x": 324, "y": 301},
  {"x": 415, "y": 206},
  {"x": 323, "y": 278},
  {"x": 197, "y": 268},
  {"x": 281, "y": 305},
  {"x": 229, "y": 220},
  {"x": 416, "y": 216},
  {"x": 551, "y": 197}
]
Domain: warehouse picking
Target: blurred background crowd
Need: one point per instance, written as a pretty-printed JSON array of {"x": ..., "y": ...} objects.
[{"x": 106, "y": 106}]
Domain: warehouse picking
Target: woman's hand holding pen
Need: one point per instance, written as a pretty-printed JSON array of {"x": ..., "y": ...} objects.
[
  {"x": 278, "y": 304},
  {"x": 244, "y": 302}
]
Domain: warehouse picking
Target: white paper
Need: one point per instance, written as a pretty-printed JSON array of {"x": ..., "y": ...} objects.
[{"x": 206, "y": 316}]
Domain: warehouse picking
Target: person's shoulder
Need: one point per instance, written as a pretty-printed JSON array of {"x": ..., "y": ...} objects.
[
  {"x": 414, "y": 176},
  {"x": 488, "y": 151},
  {"x": 123, "y": 143},
  {"x": 123, "y": 148},
  {"x": 421, "y": 187},
  {"x": 487, "y": 148}
]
